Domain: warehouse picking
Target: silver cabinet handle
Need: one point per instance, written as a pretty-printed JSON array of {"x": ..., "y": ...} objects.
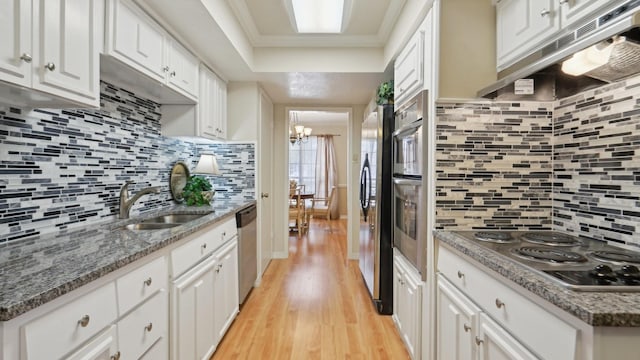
[
  {"x": 218, "y": 268},
  {"x": 165, "y": 69},
  {"x": 84, "y": 321},
  {"x": 564, "y": 2},
  {"x": 264, "y": 195},
  {"x": 26, "y": 58},
  {"x": 173, "y": 73},
  {"x": 204, "y": 246},
  {"x": 148, "y": 282},
  {"x": 478, "y": 341},
  {"x": 545, "y": 12},
  {"x": 460, "y": 274},
  {"x": 50, "y": 66},
  {"x": 149, "y": 327},
  {"x": 116, "y": 356},
  {"x": 499, "y": 303},
  {"x": 467, "y": 328}
]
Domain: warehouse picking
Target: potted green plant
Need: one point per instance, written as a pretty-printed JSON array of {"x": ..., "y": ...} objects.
[
  {"x": 198, "y": 191},
  {"x": 385, "y": 93}
]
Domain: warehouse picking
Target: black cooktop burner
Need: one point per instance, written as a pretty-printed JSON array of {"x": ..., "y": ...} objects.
[
  {"x": 617, "y": 256},
  {"x": 548, "y": 238},
  {"x": 549, "y": 255},
  {"x": 494, "y": 236}
]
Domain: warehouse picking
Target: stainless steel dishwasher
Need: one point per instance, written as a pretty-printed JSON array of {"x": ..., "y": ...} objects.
[{"x": 247, "y": 250}]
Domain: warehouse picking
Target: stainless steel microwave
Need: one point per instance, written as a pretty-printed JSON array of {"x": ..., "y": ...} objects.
[{"x": 408, "y": 151}]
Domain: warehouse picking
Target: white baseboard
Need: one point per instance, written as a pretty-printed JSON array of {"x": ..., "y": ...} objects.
[{"x": 280, "y": 255}]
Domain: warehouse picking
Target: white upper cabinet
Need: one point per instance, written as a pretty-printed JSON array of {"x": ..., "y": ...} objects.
[
  {"x": 208, "y": 119},
  {"x": 183, "y": 68},
  {"x": 408, "y": 68},
  {"x": 135, "y": 39},
  {"x": 16, "y": 56},
  {"x": 575, "y": 10},
  {"x": 522, "y": 24},
  {"x": 53, "y": 47}
]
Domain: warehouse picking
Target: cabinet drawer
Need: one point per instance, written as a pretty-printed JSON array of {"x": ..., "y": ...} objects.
[
  {"x": 140, "y": 284},
  {"x": 67, "y": 327},
  {"x": 159, "y": 351},
  {"x": 138, "y": 331},
  {"x": 520, "y": 316},
  {"x": 201, "y": 245}
]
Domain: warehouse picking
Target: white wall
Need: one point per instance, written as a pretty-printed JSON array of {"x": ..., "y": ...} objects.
[{"x": 242, "y": 111}]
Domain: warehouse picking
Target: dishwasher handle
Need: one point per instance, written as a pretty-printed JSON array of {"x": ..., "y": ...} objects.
[{"x": 246, "y": 216}]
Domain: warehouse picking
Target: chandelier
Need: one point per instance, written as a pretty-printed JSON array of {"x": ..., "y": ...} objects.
[{"x": 300, "y": 133}]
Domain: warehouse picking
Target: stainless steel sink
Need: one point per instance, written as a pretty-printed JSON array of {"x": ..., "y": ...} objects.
[
  {"x": 173, "y": 218},
  {"x": 148, "y": 226}
]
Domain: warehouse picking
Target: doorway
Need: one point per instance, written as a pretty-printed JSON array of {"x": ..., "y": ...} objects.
[{"x": 307, "y": 129}]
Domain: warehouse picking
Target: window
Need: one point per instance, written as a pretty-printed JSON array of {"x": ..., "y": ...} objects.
[{"x": 302, "y": 163}]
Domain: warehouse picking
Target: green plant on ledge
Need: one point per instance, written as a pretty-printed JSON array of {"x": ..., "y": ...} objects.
[
  {"x": 385, "y": 93},
  {"x": 198, "y": 191}
]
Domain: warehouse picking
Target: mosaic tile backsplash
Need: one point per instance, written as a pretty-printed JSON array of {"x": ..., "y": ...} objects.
[
  {"x": 493, "y": 166},
  {"x": 597, "y": 163},
  {"x": 64, "y": 168},
  {"x": 571, "y": 165}
]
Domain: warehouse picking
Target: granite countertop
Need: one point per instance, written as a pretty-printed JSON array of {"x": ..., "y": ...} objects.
[
  {"x": 620, "y": 309},
  {"x": 36, "y": 270}
]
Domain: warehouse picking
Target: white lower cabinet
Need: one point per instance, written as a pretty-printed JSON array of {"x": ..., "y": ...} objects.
[
  {"x": 143, "y": 327},
  {"x": 226, "y": 289},
  {"x": 134, "y": 313},
  {"x": 103, "y": 347},
  {"x": 495, "y": 343},
  {"x": 407, "y": 303},
  {"x": 509, "y": 325},
  {"x": 456, "y": 323},
  {"x": 204, "y": 304},
  {"x": 192, "y": 313}
]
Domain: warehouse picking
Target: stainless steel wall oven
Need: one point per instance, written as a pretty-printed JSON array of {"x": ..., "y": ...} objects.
[{"x": 409, "y": 184}]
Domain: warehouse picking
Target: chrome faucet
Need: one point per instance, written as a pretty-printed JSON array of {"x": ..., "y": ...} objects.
[{"x": 126, "y": 203}]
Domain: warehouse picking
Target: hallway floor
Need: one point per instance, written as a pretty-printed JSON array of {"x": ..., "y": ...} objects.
[{"x": 313, "y": 305}]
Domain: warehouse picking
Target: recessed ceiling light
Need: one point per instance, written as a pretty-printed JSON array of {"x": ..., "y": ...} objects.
[{"x": 318, "y": 16}]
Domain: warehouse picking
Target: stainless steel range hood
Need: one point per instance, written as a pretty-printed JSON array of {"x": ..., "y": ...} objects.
[{"x": 543, "y": 65}]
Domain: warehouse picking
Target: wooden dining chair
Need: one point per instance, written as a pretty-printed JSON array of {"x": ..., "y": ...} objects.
[
  {"x": 296, "y": 211},
  {"x": 321, "y": 207}
]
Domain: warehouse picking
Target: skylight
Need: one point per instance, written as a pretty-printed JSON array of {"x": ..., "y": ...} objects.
[{"x": 318, "y": 16}]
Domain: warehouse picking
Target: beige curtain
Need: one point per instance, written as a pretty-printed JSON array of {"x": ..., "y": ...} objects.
[{"x": 327, "y": 171}]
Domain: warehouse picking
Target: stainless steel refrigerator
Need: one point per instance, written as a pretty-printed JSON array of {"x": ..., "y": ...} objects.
[{"x": 376, "y": 196}]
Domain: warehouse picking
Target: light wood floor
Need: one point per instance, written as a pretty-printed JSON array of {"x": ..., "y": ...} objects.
[{"x": 313, "y": 305}]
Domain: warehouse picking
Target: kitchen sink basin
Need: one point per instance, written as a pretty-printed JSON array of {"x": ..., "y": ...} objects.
[
  {"x": 173, "y": 218},
  {"x": 148, "y": 226}
]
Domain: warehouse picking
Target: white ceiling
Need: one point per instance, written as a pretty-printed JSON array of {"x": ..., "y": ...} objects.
[{"x": 253, "y": 40}]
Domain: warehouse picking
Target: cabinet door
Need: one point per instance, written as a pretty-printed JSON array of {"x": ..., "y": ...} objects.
[
  {"x": 456, "y": 323},
  {"x": 497, "y": 344},
  {"x": 411, "y": 322},
  {"x": 522, "y": 25},
  {"x": 183, "y": 69},
  {"x": 408, "y": 67},
  {"x": 226, "y": 288},
  {"x": 399, "y": 298},
  {"x": 137, "y": 40},
  {"x": 15, "y": 37},
  {"x": 207, "y": 124},
  {"x": 66, "y": 48},
  {"x": 103, "y": 347},
  {"x": 193, "y": 334},
  {"x": 221, "y": 108},
  {"x": 576, "y": 10}
]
